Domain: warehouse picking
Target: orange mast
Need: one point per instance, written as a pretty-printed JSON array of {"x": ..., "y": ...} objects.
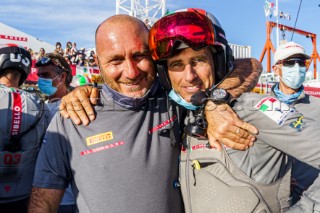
[{"x": 269, "y": 46}]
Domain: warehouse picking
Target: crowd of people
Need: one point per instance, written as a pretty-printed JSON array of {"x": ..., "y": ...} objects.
[
  {"x": 173, "y": 129},
  {"x": 71, "y": 54}
]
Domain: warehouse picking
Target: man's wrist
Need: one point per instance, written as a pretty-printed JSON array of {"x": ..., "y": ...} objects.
[
  {"x": 210, "y": 105},
  {"x": 219, "y": 96}
]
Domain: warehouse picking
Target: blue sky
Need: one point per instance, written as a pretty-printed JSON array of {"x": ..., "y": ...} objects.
[{"x": 76, "y": 20}]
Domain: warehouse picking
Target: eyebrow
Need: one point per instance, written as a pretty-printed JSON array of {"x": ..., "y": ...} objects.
[
  {"x": 174, "y": 61},
  {"x": 145, "y": 51},
  {"x": 202, "y": 56}
]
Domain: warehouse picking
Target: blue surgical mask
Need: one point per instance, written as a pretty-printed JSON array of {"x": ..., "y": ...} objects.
[
  {"x": 179, "y": 100},
  {"x": 294, "y": 76},
  {"x": 45, "y": 85}
]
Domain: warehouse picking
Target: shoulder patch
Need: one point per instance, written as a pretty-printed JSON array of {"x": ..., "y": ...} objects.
[
  {"x": 275, "y": 109},
  {"x": 298, "y": 124}
]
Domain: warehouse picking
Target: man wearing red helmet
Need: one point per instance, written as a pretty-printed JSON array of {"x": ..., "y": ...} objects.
[
  {"x": 22, "y": 125},
  {"x": 187, "y": 45}
]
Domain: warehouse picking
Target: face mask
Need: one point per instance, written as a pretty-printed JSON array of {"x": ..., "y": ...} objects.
[
  {"x": 179, "y": 100},
  {"x": 45, "y": 85},
  {"x": 294, "y": 76}
]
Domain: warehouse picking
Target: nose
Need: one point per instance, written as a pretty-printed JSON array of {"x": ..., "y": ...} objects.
[
  {"x": 131, "y": 71},
  {"x": 190, "y": 73}
]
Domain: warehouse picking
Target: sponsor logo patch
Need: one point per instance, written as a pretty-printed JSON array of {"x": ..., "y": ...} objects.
[
  {"x": 101, "y": 148},
  {"x": 99, "y": 138},
  {"x": 298, "y": 124},
  {"x": 275, "y": 110},
  {"x": 164, "y": 124}
]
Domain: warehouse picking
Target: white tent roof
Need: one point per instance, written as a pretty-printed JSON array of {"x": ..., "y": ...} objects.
[{"x": 12, "y": 35}]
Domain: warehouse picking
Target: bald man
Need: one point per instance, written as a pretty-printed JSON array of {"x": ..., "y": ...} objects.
[{"x": 129, "y": 162}]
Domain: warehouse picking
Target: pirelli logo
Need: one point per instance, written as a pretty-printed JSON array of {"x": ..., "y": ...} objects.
[{"x": 99, "y": 138}]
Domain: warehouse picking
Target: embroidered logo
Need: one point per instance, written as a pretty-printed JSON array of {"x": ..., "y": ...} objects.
[
  {"x": 101, "y": 148},
  {"x": 166, "y": 123},
  {"x": 99, "y": 138},
  {"x": 298, "y": 124},
  {"x": 275, "y": 110}
]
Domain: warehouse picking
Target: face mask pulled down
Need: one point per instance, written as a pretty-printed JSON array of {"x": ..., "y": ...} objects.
[{"x": 179, "y": 100}]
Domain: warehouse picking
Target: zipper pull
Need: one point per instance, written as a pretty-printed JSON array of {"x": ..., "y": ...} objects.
[{"x": 196, "y": 166}]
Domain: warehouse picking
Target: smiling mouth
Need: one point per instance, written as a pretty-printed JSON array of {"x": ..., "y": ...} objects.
[
  {"x": 194, "y": 88},
  {"x": 132, "y": 83}
]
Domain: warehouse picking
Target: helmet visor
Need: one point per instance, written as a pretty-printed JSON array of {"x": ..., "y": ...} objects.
[{"x": 192, "y": 28}]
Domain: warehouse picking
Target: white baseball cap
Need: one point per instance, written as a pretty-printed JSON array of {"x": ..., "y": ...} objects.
[{"x": 288, "y": 49}]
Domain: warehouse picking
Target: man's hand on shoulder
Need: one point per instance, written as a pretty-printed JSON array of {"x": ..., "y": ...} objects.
[
  {"x": 77, "y": 105},
  {"x": 224, "y": 126}
]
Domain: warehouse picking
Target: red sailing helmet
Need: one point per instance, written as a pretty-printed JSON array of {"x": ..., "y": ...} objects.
[{"x": 195, "y": 28}]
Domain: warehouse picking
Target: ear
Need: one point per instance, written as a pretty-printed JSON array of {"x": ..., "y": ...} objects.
[
  {"x": 63, "y": 77},
  {"x": 276, "y": 70}
]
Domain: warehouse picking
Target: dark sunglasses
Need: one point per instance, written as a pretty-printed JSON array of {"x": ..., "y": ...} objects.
[
  {"x": 46, "y": 61},
  {"x": 292, "y": 61}
]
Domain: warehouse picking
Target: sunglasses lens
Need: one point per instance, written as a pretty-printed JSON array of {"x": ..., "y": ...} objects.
[
  {"x": 293, "y": 61},
  {"x": 192, "y": 28},
  {"x": 43, "y": 61}
]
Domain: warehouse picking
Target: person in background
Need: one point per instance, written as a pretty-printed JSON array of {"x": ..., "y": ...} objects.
[
  {"x": 32, "y": 54},
  {"x": 66, "y": 57},
  {"x": 10, "y": 76},
  {"x": 22, "y": 126},
  {"x": 91, "y": 59},
  {"x": 69, "y": 45},
  {"x": 92, "y": 62},
  {"x": 74, "y": 49},
  {"x": 55, "y": 76},
  {"x": 58, "y": 49},
  {"x": 80, "y": 60},
  {"x": 68, "y": 49},
  {"x": 41, "y": 53},
  {"x": 290, "y": 67}
]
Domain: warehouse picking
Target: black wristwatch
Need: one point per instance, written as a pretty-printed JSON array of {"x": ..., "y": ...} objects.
[{"x": 219, "y": 96}]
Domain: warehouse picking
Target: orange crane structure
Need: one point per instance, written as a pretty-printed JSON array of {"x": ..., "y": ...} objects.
[{"x": 268, "y": 47}]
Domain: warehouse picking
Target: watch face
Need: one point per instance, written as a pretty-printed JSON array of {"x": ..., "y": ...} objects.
[{"x": 219, "y": 94}]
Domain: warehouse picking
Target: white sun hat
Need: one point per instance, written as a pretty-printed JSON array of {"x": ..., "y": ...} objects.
[{"x": 288, "y": 49}]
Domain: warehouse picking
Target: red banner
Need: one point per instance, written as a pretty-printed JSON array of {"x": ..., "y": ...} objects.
[
  {"x": 15, "y": 38},
  {"x": 314, "y": 91},
  {"x": 33, "y": 77}
]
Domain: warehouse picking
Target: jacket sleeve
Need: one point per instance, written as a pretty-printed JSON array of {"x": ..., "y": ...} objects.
[
  {"x": 310, "y": 200},
  {"x": 294, "y": 134}
]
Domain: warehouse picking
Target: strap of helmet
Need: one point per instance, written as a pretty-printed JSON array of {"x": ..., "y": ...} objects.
[{"x": 163, "y": 75}]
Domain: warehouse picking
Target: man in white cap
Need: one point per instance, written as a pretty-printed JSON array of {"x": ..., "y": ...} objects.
[{"x": 290, "y": 67}]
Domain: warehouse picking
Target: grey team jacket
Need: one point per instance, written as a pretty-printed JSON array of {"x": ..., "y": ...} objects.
[
  {"x": 19, "y": 110},
  {"x": 124, "y": 161},
  {"x": 255, "y": 180},
  {"x": 303, "y": 175}
]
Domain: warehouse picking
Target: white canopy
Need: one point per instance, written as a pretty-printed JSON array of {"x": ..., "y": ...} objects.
[{"x": 12, "y": 35}]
